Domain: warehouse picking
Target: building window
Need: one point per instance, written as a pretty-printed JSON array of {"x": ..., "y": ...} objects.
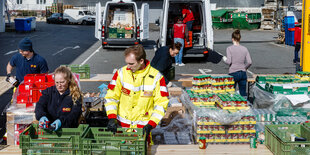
[
  {"x": 19, "y": 1},
  {"x": 41, "y": 1}
]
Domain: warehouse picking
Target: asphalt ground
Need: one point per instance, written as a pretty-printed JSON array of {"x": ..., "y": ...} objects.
[{"x": 76, "y": 44}]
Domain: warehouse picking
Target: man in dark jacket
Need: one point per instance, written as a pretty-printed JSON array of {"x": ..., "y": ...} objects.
[
  {"x": 162, "y": 60},
  {"x": 25, "y": 62}
]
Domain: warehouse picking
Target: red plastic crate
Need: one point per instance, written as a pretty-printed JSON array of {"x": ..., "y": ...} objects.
[
  {"x": 50, "y": 78},
  {"x": 23, "y": 99},
  {"x": 29, "y": 78},
  {"x": 40, "y": 78},
  {"x": 36, "y": 94},
  {"x": 24, "y": 88}
]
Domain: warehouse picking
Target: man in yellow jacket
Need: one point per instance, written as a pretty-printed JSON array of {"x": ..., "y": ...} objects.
[{"x": 137, "y": 96}]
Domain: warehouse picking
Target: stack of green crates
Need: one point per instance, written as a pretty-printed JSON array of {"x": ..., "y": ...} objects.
[
  {"x": 35, "y": 140},
  {"x": 120, "y": 32},
  {"x": 278, "y": 138},
  {"x": 113, "y": 33},
  {"x": 97, "y": 140},
  {"x": 83, "y": 70},
  {"x": 281, "y": 89}
]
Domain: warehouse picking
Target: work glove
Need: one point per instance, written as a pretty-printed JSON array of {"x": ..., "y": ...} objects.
[
  {"x": 224, "y": 58},
  {"x": 56, "y": 124},
  {"x": 8, "y": 77},
  {"x": 112, "y": 125},
  {"x": 43, "y": 122},
  {"x": 147, "y": 129}
]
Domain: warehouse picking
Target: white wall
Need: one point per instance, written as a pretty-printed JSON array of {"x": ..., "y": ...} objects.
[
  {"x": 2, "y": 17},
  {"x": 28, "y": 5}
]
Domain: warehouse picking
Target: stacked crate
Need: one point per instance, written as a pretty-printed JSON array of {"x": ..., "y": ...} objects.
[
  {"x": 213, "y": 84},
  {"x": 29, "y": 92},
  {"x": 269, "y": 14}
]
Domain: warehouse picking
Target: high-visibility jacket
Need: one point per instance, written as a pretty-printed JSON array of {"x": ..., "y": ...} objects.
[{"x": 137, "y": 99}]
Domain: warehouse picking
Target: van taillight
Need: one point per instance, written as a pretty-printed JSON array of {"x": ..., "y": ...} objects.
[
  {"x": 138, "y": 32},
  {"x": 102, "y": 32}
]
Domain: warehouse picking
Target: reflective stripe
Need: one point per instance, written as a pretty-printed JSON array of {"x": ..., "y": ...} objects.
[
  {"x": 136, "y": 89},
  {"x": 159, "y": 108},
  {"x": 120, "y": 73},
  {"x": 113, "y": 82},
  {"x": 164, "y": 89},
  {"x": 157, "y": 78},
  {"x": 110, "y": 107},
  {"x": 158, "y": 116},
  {"x": 111, "y": 100},
  {"x": 124, "y": 120}
]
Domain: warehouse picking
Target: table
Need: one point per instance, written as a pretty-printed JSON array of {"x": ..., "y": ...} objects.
[{"x": 232, "y": 149}]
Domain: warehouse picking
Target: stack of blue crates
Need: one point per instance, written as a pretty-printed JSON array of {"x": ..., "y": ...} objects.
[{"x": 289, "y": 35}]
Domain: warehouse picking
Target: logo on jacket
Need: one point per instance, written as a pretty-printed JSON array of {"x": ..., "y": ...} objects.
[
  {"x": 33, "y": 66},
  {"x": 66, "y": 109},
  {"x": 148, "y": 93},
  {"x": 126, "y": 91}
]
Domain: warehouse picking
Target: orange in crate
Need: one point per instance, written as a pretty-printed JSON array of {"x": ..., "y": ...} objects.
[{"x": 190, "y": 37}]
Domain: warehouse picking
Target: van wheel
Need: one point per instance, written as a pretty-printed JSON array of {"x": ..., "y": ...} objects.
[
  {"x": 84, "y": 22},
  {"x": 67, "y": 21}
]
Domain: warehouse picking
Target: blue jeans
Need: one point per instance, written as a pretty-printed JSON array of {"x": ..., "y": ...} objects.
[
  {"x": 240, "y": 78},
  {"x": 297, "y": 48},
  {"x": 178, "y": 58},
  {"x": 189, "y": 25}
]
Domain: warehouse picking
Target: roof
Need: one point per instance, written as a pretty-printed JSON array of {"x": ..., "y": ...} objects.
[{"x": 220, "y": 12}]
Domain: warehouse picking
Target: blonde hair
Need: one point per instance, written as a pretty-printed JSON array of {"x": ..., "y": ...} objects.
[{"x": 75, "y": 91}]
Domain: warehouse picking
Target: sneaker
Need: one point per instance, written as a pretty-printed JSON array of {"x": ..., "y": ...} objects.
[
  {"x": 181, "y": 64},
  {"x": 176, "y": 64}
]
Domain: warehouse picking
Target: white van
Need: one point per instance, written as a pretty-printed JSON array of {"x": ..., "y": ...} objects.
[
  {"x": 120, "y": 25},
  {"x": 78, "y": 17},
  {"x": 202, "y": 35}
]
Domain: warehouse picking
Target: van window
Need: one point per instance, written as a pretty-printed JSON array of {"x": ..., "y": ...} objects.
[
  {"x": 81, "y": 13},
  {"x": 176, "y": 11},
  {"x": 121, "y": 19}
]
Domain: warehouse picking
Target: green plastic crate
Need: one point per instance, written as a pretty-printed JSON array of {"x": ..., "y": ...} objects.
[
  {"x": 112, "y": 30},
  {"x": 120, "y": 30},
  {"x": 34, "y": 140},
  {"x": 83, "y": 70},
  {"x": 98, "y": 140},
  {"x": 113, "y": 35},
  {"x": 120, "y": 35},
  {"x": 277, "y": 138}
]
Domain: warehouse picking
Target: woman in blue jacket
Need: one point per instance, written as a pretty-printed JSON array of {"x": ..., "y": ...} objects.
[{"x": 61, "y": 105}]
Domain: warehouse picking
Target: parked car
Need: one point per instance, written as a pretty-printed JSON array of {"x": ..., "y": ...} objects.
[{"x": 55, "y": 18}]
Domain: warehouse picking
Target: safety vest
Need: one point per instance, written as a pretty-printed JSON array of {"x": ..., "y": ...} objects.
[{"x": 137, "y": 99}]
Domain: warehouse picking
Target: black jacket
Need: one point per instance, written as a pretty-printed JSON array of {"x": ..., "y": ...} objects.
[
  {"x": 162, "y": 61},
  {"x": 55, "y": 106}
]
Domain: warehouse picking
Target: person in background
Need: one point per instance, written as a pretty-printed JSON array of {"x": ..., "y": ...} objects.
[
  {"x": 25, "y": 62},
  {"x": 179, "y": 33},
  {"x": 162, "y": 61},
  {"x": 239, "y": 60},
  {"x": 188, "y": 17},
  {"x": 60, "y": 105},
  {"x": 137, "y": 95},
  {"x": 297, "y": 40}
]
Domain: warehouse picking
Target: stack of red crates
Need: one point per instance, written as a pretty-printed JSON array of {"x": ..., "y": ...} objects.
[{"x": 29, "y": 92}]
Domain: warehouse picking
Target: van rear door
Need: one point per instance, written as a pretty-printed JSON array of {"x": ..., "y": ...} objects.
[
  {"x": 208, "y": 31},
  {"x": 98, "y": 24},
  {"x": 164, "y": 24},
  {"x": 144, "y": 21}
]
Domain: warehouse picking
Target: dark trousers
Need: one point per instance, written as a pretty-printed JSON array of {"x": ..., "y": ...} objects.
[
  {"x": 297, "y": 48},
  {"x": 189, "y": 25},
  {"x": 240, "y": 78}
]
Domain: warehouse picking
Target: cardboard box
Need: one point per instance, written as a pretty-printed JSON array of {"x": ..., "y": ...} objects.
[{"x": 175, "y": 91}]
